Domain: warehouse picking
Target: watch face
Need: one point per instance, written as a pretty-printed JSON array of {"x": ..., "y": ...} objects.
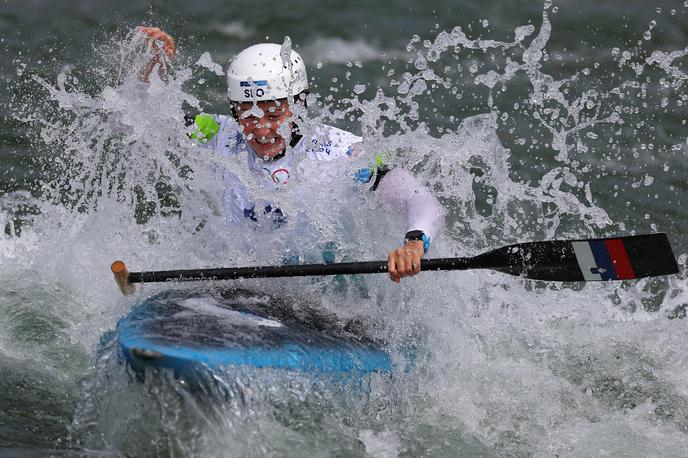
[{"x": 414, "y": 235}]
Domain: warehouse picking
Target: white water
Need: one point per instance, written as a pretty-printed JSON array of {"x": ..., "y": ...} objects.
[{"x": 506, "y": 366}]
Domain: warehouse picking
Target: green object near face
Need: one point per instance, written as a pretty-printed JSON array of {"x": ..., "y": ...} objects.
[{"x": 206, "y": 128}]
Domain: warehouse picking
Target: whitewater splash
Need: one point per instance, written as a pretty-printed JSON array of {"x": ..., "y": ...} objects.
[{"x": 509, "y": 365}]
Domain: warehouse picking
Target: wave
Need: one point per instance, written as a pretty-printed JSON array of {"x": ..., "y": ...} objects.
[
  {"x": 233, "y": 29},
  {"x": 340, "y": 51}
]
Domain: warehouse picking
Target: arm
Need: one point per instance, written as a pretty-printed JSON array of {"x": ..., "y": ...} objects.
[
  {"x": 205, "y": 126},
  {"x": 424, "y": 218}
]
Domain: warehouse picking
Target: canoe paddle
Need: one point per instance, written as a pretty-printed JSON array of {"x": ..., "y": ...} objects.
[{"x": 617, "y": 258}]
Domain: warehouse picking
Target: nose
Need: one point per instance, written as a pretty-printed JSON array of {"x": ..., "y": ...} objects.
[{"x": 264, "y": 127}]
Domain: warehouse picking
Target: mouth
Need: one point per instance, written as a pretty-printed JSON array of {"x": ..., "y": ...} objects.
[
  {"x": 267, "y": 146},
  {"x": 266, "y": 141}
]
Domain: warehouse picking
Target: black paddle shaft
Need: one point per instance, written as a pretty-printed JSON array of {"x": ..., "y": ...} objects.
[
  {"x": 618, "y": 258},
  {"x": 302, "y": 270}
]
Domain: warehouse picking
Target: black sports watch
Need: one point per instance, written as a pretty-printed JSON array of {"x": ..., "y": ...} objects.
[{"x": 412, "y": 236}]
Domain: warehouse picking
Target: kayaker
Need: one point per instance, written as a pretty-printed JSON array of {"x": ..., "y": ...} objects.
[{"x": 267, "y": 89}]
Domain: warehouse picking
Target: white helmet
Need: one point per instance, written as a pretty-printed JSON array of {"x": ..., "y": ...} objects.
[{"x": 260, "y": 73}]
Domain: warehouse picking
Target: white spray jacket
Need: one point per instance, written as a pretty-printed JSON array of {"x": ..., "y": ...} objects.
[{"x": 319, "y": 144}]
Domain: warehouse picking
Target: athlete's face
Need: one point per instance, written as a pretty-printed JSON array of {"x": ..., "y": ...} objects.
[{"x": 265, "y": 124}]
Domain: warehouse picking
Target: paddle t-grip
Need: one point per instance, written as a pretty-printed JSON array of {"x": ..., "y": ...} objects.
[{"x": 119, "y": 270}]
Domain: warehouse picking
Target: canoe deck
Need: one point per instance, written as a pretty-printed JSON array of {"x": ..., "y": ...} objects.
[{"x": 188, "y": 331}]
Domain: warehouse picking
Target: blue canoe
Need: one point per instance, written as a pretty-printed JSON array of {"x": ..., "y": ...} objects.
[{"x": 192, "y": 332}]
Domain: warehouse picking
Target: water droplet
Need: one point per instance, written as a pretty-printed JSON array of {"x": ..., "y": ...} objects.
[
  {"x": 647, "y": 35},
  {"x": 659, "y": 10},
  {"x": 548, "y": 4},
  {"x": 555, "y": 10},
  {"x": 421, "y": 63},
  {"x": 653, "y": 24},
  {"x": 359, "y": 88},
  {"x": 523, "y": 31}
]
